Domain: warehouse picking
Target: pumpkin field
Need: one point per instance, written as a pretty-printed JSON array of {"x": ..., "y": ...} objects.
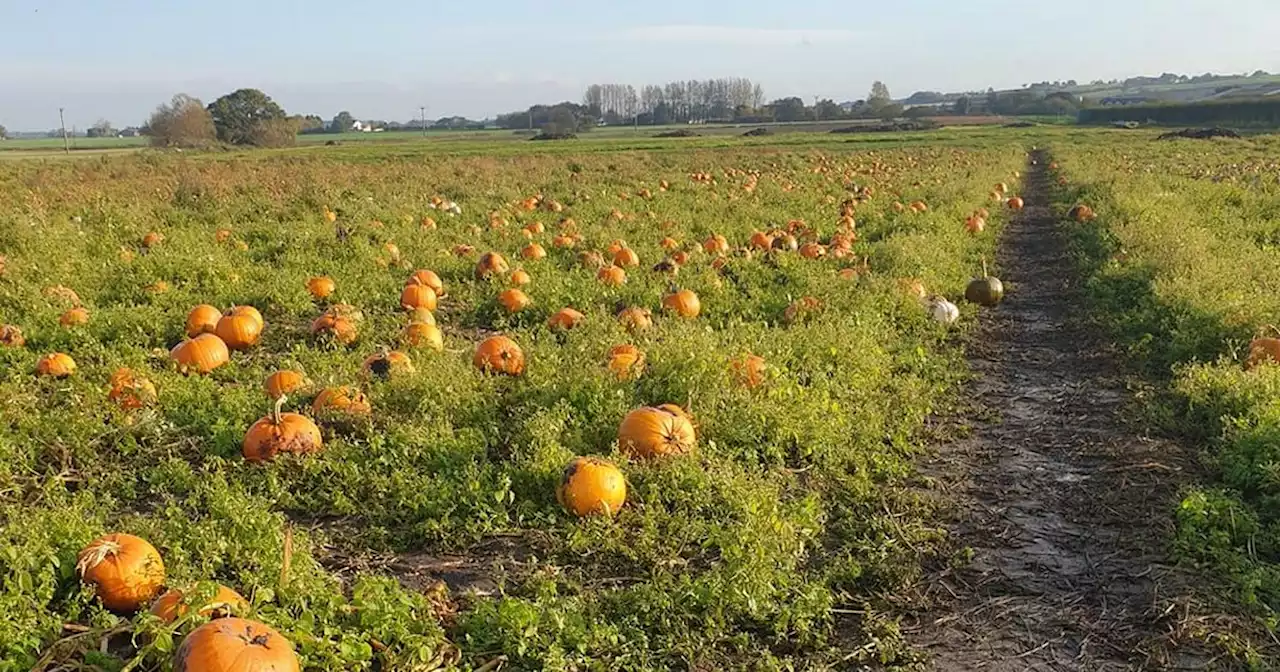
[{"x": 600, "y": 405}]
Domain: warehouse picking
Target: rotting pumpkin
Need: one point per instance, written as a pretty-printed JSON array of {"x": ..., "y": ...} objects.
[{"x": 280, "y": 433}]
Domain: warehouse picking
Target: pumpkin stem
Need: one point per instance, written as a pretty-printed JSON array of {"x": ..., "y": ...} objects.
[
  {"x": 1275, "y": 330},
  {"x": 279, "y": 405},
  {"x": 287, "y": 560},
  {"x": 984, "y": 265},
  {"x": 96, "y": 555}
]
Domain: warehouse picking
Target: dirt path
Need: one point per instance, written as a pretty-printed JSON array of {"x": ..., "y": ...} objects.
[{"x": 1066, "y": 507}]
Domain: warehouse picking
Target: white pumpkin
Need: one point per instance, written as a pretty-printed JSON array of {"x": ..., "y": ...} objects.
[{"x": 942, "y": 310}]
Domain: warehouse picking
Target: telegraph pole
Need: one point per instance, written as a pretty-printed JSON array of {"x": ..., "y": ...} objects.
[
  {"x": 66, "y": 143},
  {"x": 424, "y": 120}
]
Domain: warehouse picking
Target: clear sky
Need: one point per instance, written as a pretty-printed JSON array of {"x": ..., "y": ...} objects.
[{"x": 118, "y": 59}]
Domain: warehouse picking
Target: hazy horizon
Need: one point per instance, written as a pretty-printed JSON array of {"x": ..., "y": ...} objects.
[{"x": 119, "y": 60}]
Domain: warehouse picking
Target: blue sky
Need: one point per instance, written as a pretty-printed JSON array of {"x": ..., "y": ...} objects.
[{"x": 118, "y": 59}]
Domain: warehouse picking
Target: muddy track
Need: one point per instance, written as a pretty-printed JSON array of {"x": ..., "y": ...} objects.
[{"x": 1066, "y": 506}]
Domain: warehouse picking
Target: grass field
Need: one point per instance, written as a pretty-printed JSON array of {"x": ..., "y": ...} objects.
[{"x": 426, "y": 533}]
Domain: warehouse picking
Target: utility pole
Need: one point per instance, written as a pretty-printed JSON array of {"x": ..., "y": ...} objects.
[
  {"x": 424, "y": 120},
  {"x": 66, "y": 143}
]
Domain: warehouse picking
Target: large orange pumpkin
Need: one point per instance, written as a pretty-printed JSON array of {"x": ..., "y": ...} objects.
[
  {"x": 203, "y": 319},
  {"x": 490, "y": 264},
  {"x": 125, "y": 571},
  {"x": 499, "y": 354},
  {"x": 235, "y": 645},
  {"x": 513, "y": 300},
  {"x": 592, "y": 486},
  {"x": 650, "y": 432},
  {"x": 418, "y": 296},
  {"x": 201, "y": 354},
  {"x": 56, "y": 365},
  {"x": 336, "y": 326},
  {"x": 240, "y": 328},
  {"x": 171, "y": 606},
  {"x": 565, "y": 318},
  {"x": 533, "y": 251},
  {"x": 683, "y": 303},
  {"x": 283, "y": 382},
  {"x": 423, "y": 335},
  {"x": 334, "y": 401},
  {"x": 130, "y": 390},
  {"x": 321, "y": 287},
  {"x": 428, "y": 278},
  {"x": 389, "y": 363},
  {"x": 612, "y": 275},
  {"x": 626, "y": 361},
  {"x": 280, "y": 433}
]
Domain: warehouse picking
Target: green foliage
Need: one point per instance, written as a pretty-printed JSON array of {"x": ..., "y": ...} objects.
[{"x": 248, "y": 117}]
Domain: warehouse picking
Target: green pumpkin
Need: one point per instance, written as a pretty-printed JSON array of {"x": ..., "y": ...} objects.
[{"x": 986, "y": 291}]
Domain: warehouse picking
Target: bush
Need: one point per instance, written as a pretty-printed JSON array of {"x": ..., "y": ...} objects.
[{"x": 183, "y": 122}]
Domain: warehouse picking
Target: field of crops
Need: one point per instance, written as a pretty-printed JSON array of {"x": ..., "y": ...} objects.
[
  {"x": 1184, "y": 265},
  {"x": 766, "y": 516}
]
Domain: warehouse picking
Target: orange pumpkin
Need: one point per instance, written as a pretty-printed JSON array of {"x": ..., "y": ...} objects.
[
  {"x": 800, "y": 309},
  {"x": 514, "y": 300},
  {"x": 125, "y": 571},
  {"x": 56, "y": 365},
  {"x": 74, "y": 317},
  {"x": 748, "y": 370},
  {"x": 203, "y": 319},
  {"x": 626, "y": 257},
  {"x": 668, "y": 243},
  {"x": 1262, "y": 351},
  {"x": 913, "y": 287},
  {"x": 975, "y": 224},
  {"x": 918, "y": 206},
  {"x": 761, "y": 241},
  {"x": 283, "y": 382},
  {"x": 716, "y": 244},
  {"x": 590, "y": 259},
  {"x": 171, "y": 606},
  {"x": 650, "y": 432},
  {"x": 626, "y": 361},
  {"x": 129, "y": 390},
  {"x": 222, "y": 235},
  {"x": 387, "y": 364},
  {"x": 152, "y": 239},
  {"x": 1081, "y": 213},
  {"x": 563, "y": 241},
  {"x": 635, "y": 319},
  {"x": 499, "y": 354},
  {"x": 533, "y": 251},
  {"x": 418, "y": 296},
  {"x": 321, "y": 287},
  {"x": 334, "y": 401},
  {"x": 612, "y": 275},
  {"x": 786, "y": 243},
  {"x": 1000, "y": 188},
  {"x": 423, "y": 335},
  {"x": 338, "y": 327},
  {"x": 240, "y": 328},
  {"x": 592, "y": 486},
  {"x": 11, "y": 336},
  {"x": 201, "y": 354},
  {"x": 683, "y": 303},
  {"x": 519, "y": 277},
  {"x": 1015, "y": 203},
  {"x": 428, "y": 278},
  {"x": 565, "y": 318},
  {"x": 616, "y": 246},
  {"x": 812, "y": 251},
  {"x": 680, "y": 257},
  {"x": 490, "y": 264},
  {"x": 235, "y": 645},
  {"x": 280, "y": 433}
]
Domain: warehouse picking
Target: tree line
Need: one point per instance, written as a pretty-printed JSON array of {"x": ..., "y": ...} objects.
[{"x": 1256, "y": 112}]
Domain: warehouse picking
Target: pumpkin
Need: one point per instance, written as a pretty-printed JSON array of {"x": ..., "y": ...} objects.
[
  {"x": 943, "y": 311},
  {"x": 716, "y": 245},
  {"x": 170, "y": 606},
  {"x": 1015, "y": 203},
  {"x": 423, "y": 335},
  {"x": 914, "y": 287},
  {"x": 239, "y": 328},
  {"x": 1081, "y": 213},
  {"x": 626, "y": 361},
  {"x": 533, "y": 251},
  {"x": 1000, "y": 188},
  {"x": 984, "y": 291},
  {"x": 612, "y": 275},
  {"x": 748, "y": 370},
  {"x": 422, "y": 315},
  {"x": 591, "y": 259},
  {"x": 340, "y": 401},
  {"x": 680, "y": 257},
  {"x": 222, "y": 235},
  {"x": 918, "y": 206},
  {"x": 129, "y": 390},
  {"x": 203, "y": 319},
  {"x": 801, "y": 309},
  {"x": 514, "y": 300},
  {"x": 74, "y": 317},
  {"x": 280, "y": 433},
  {"x": 1262, "y": 350},
  {"x": 683, "y": 303},
  {"x": 428, "y": 278},
  {"x": 338, "y": 327},
  {"x": 388, "y": 363},
  {"x": 626, "y": 257},
  {"x": 11, "y": 336},
  {"x": 520, "y": 277},
  {"x": 490, "y": 264},
  {"x": 125, "y": 571},
  {"x": 761, "y": 241},
  {"x": 668, "y": 243},
  {"x": 592, "y": 486},
  {"x": 563, "y": 241},
  {"x": 61, "y": 293},
  {"x": 321, "y": 287},
  {"x": 56, "y": 365},
  {"x": 975, "y": 224},
  {"x": 283, "y": 382},
  {"x": 635, "y": 319},
  {"x": 418, "y": 296},
  {"x": 235, "y": 645},
  {"x": 499, "y": 354},
  {"x": 650, "y": 432},
  {"x": 152, "y": 239},
  {"x": 201, "y": 354},
  {"x": 786, "y": 243},
  {"x": 812, "y": 251},
  {"x": 565, "y": 318},
  {"x": 535, "y": 228}
]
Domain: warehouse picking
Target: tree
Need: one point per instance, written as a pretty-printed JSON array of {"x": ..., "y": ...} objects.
[
  {"x": 789, "y": 109},
  {"x": 182, "y": 122},
  {"x": 561, "y": 120},
  {"x": 4, "y": 132},
  {"x": 879, "y": 94},
  {"x": 241, "y": 116},
  {"x": 827, "y": 109},
  {"x": 101, "y": 129},
  {"x": 342, "y": 122},
  {"x": 962, "y": 106}
]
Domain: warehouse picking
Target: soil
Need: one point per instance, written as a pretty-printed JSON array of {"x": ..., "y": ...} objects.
[
  {"x": 1199, "y": 134},
  {"x": 1067, "y": 507}
]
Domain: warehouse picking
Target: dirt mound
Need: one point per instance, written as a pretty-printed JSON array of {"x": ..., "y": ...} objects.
[
  {"x": 891, "y": 127},
  {"x": 679, "y": 133},
  {"x": 1021, "y": 124},
  {"x": 555, "y": 136},
  {"x": 1199, "y": 134},
  {"x": 757, "y": 132}
]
